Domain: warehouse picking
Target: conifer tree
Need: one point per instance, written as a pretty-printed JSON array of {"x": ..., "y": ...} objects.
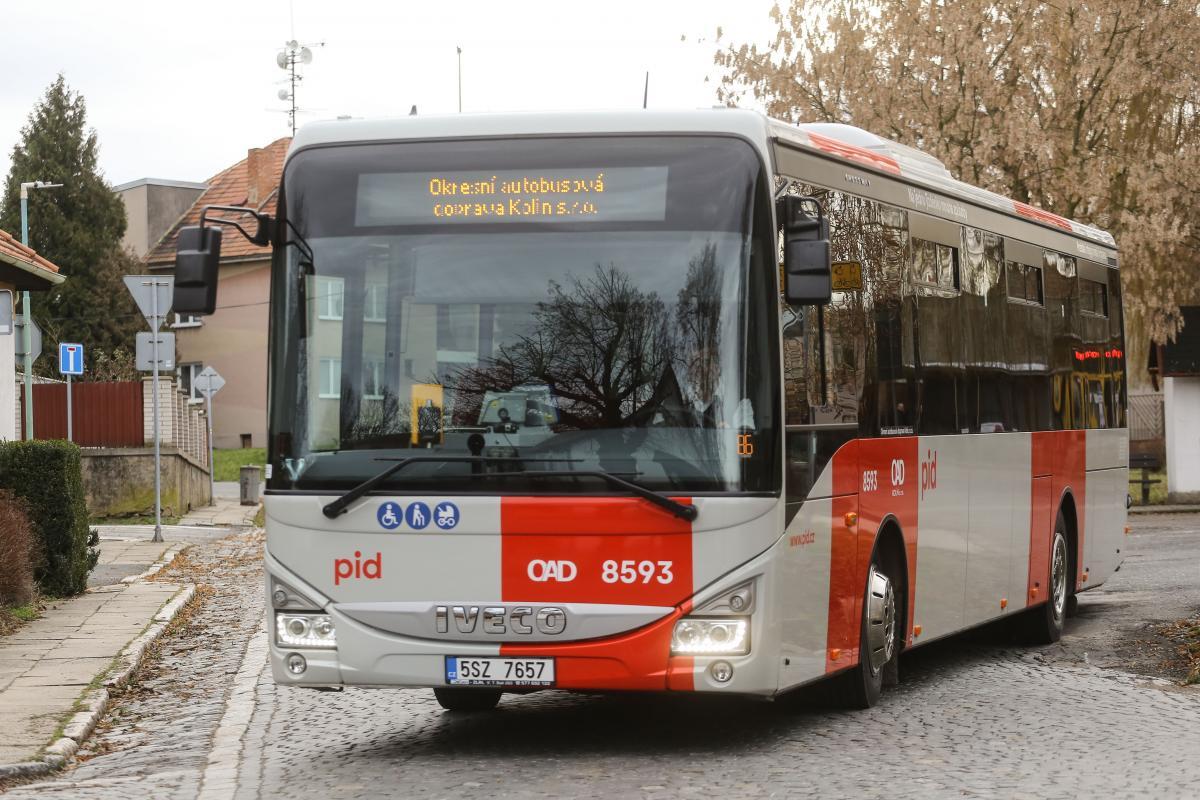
[{"x": 78, "y": 227}]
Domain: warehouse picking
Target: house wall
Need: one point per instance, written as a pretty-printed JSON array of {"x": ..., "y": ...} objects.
[
  {"x": 233, "y": 341},
  {"x": 151, "y": 209},
  {"x": 8, "y": 383}
]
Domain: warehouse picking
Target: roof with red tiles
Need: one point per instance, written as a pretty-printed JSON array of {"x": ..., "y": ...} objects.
[
  {"x": 27, "y": 259},
  {"x": 232, "y": 187}
]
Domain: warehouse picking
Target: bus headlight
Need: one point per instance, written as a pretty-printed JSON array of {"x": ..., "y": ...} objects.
[
  {"x": 305, "y": 630},
  {"x": 726, "y": 636}
]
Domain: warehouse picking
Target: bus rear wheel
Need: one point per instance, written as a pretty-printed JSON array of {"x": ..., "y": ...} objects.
[
  {"x": 862, "y": 685},
  {"x": 1044, "y": 624},
  {"x": 456, "y": 699}
]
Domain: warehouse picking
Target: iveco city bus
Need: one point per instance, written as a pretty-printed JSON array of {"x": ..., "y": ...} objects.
[{"x": 685, "y": 402}]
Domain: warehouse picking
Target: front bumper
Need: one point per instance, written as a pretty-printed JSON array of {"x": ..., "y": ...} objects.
[{"x": 637, "y": 660}]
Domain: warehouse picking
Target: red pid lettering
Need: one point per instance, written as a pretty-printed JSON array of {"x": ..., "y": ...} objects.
[
  {"x": 929, "y": 472},
  {"x": 345, "y": 569}
]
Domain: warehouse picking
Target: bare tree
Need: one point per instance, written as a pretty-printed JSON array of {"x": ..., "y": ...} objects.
[
  {"x": 601, "y": 344},
  {"x": 1087, "y": 108}
]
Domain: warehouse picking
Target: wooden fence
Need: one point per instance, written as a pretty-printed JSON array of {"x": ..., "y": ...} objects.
[{"x": 105, "y": 414}]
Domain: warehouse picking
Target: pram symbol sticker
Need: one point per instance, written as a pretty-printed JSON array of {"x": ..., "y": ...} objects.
[{"x": 446, "y": 515}]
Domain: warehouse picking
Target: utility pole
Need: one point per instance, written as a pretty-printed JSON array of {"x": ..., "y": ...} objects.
[
  {"x": 459, "y": 79},
  {"x": 27, "y": 330}
]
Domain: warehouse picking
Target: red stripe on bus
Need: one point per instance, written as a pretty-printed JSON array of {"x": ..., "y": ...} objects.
[
  {"x": 614, "y": 550},
  {"x": 1060, "y": 456},
  {"x": 885, "y": 475},
  {"x": 1037, "y": 214},
  {"x": 853, "y": 152}
]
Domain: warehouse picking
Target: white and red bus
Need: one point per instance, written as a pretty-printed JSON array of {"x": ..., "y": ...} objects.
[{"x": 547, "y": 410}]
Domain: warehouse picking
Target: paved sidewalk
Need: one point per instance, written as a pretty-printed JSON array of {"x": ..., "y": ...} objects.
[
  {"x": 122, "y": 557},
  {"x": 226, "y": 510},
  {"x": 53, "y": 670},
  {"x": 48, "y": 664}
]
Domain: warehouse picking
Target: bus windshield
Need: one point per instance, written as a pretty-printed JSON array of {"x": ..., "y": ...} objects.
[{"x": 581, "y": 304}]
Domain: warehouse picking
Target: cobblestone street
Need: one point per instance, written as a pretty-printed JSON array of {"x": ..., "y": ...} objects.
[{"x": 974, "y": 717}]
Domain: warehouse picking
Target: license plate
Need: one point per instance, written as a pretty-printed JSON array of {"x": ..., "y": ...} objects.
[{"x": 485, "y": 671}]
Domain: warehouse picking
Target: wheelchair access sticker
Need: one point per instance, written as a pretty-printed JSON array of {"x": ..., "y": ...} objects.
[{"x": 391, "y": 515}]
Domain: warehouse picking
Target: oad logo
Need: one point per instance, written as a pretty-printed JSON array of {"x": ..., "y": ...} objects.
[
  {"x": 445, "y": 515},
  {"x": 417, "y": 516},
  {"x": 541, "y": 571},
  {"x": 390, "y": 515},
  {"x": 897, "y": 472}
]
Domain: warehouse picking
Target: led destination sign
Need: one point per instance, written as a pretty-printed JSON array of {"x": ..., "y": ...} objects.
[{"x": 620, "y": 194}]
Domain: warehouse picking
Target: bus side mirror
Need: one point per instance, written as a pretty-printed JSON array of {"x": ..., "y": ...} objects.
[
  {"x": 807, "y": 267},
  {"x": 197, "y": 258}
]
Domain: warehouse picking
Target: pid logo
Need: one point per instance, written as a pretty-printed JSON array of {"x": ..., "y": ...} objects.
[{"x": 928, "y": 472}]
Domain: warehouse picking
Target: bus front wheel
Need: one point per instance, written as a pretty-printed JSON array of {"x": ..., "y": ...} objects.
[
  {"x": 861, "y": 685},
  {"x": 455, "y": 699}
]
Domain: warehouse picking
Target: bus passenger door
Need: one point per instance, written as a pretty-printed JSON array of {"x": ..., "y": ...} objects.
[{"x": 942, "y": 481}]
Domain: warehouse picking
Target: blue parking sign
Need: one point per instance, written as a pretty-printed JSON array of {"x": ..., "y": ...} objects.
[{"x": 70, "y": 358}]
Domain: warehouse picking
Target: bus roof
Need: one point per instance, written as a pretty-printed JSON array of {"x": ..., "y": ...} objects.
[{"x": 856, "y": 147}]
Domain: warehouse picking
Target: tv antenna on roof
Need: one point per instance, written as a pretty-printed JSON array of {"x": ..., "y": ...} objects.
[{"x": 290, "y": 58}]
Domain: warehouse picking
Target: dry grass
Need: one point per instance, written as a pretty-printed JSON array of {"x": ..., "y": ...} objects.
[{"x": 1184, "y": 634}]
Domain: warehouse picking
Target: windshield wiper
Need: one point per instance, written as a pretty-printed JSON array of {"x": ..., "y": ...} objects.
[
  {"x": 338, "y": 507},
  {"x": 681, "y": 510}
]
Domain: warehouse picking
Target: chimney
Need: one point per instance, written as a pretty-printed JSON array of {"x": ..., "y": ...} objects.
[{"x": 258, "y": 177}]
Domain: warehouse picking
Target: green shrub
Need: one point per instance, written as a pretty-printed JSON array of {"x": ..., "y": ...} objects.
[{"x": 48, "y": 476}]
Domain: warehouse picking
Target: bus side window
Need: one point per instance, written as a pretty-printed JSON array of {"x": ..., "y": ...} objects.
[
  {"x": 989, "y": 393},
  {"x": 1062, "y": 316}
]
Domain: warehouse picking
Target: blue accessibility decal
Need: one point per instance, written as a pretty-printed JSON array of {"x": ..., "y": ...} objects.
[
  {"x": 417, "y": 516},
  {"x": 445, "y": 515},
  {"x": 390, "y": 515}
]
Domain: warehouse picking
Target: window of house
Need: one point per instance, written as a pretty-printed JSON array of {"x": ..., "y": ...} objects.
[
  {"x": 1093, "y": 297},
  {"x": 330, "y": 378},
  {"x": 187, "y": 379},
  {"x": 1024, "y": 282},
  {"x": 373, "y": 379},
  {"x": 330, "y": 297},
  {"x": 187, "y": 321},
  {"x": 375, "y": 303},
  {"x": 935, "y": 264}
]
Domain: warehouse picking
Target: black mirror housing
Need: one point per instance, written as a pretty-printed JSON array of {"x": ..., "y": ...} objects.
[
  {"x": 197, "y": 259},
  {"x": 808, "y": 272},
  {"x": 807, "y": 264}
]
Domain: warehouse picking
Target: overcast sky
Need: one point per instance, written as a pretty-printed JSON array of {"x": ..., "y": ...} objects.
[{"x": 180, "y": 90}]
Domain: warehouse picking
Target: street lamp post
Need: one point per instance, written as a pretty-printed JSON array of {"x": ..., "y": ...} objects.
[{"x": 27, "y": 330}]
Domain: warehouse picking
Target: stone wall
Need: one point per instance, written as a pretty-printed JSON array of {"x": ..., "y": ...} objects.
[{"x": 119, "y": 482}]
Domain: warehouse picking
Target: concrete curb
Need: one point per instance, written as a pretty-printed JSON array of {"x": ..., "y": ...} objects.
[
  {"x": 1165, "y": 509},
  {"x": 153, "y": 569},
  {"x": 95, "y": 701}
]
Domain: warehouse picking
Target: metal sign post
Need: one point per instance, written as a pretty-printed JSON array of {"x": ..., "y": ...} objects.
[
  {"x": 153, "y": 296},
  {"x": 208, "y": 383},
  {"x": 70, "y": 362}
]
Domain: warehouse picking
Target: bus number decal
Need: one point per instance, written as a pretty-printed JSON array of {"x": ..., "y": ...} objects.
[
  {"x": 870, "y": 480},
  {"x": 630, "y": 571}
]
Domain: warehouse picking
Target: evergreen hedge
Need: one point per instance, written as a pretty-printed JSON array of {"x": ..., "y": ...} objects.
[{"x": 48, "y": 476}]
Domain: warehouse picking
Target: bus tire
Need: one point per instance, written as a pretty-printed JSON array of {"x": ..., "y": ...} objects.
[
  {"x": 453, "y": 698},
  {"x": 1044, "y": 624},
  {"x": 862, "y": 684}
]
